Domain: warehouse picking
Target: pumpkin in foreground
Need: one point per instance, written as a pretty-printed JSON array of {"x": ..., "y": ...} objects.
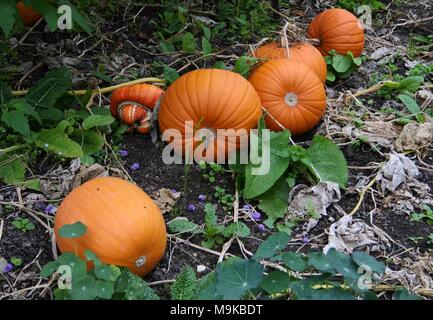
[
  {"x": 209, "y": 99},
  {"x": 133, "y": 105},
  {"x": 124, "y": 226},
  {"x": 302, "y": 52},
  {"x": 28, "y": 15},
  {"x": 291, "y": 92},
  {"x": 337, "y": 29}
]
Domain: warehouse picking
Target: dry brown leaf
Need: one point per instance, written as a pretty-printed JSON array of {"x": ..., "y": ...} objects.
[
  {"x": 415, "y": 136},
  {"x": 165, "y": 199}
]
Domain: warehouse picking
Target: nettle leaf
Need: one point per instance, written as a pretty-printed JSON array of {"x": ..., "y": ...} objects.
[
  {"x": 97, "y": 120},
  {"x": 210, "y": 218},
  {"x": 411, "y": 105},
  {"x": 235, "y": 278},
  {"x": 22, "y": 106},
  {"x": 188, "y": 43},
  {"x": 272, "y": 245},
  {"x": 207, "y": 288},
  {"x": 48, "y": 269},
  {"x": 17, "y": 121},
  {"x": 57, "y": 141},
  {"x": 294, "y": 261},
  {"x": 244, "y": 64},
  {"x": 236, "y": 229},
  {"x": 170, "y": 74},
  {"x": 344, "y": 264},
  {"x": 182, "y": 225},
  {"x": 134, "y": 287},
  {"x": 84, "y": 288},
  {"x": 185, "y": 286},
  {"x": 105, "y": 289},
  {"x": 411, "y": 84},
  {"x": 327, "y": 161},
  {"x": 404, "y": 294},
  {"x": 275, "y": 282},
  {"x": 47, "y": 90},
  {"x": 13, "y": 172},
  {"x": 341, "y": 63},
  {"x": 363, "y": 259},
  {"x": 107, "y": 272},
  {"x": 5, "y": 93},
  {"x": 206, "y": 46},
  {"x": 75, "y": 230},
  {"x": 320, "y": 262},
  {"x": 8, "y": 12},
  {"x": 91, "y": 140}
]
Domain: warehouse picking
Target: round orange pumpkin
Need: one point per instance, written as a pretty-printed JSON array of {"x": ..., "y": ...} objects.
[
  {"x": 291, "y": 92},
  {"x": 209, "y": 99},
  {"x": 302, "y": 52},
  {"x": 337, "y": 29},
  {"x": 124, "y": 226},
  {"x": 133, "y": 105},
  {"x": 28, "y": 15}
]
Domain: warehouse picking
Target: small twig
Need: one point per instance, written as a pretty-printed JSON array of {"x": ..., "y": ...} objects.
[{"x": 362, "y": 195}]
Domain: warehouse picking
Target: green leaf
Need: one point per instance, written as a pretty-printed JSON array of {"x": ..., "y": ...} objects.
[
  {"x": 22, "y": 106},
  {"x": 274, "y": 202},
  {"x": 32, "y": 184},
  {"x": 327, "y": 161},
  {"x": 13, "y": 172},
  {"x": 302, "y": 289},
  {"x": 57, "y": 141},
  {"x": 207, "y": 288},
  {"x": 185, "y": 285},
  {"x": 48, "y": 11},
  {"x": 275, "y": 282},
  {"x": 97, "y": 120},
  {"x": 410, "y": 84},
  {"x": 363, "y": 259},
  {"x": 236, "y": 229},
  {"x": 105, "y": 289},
  {"x": 243, "y": 65},
  {"x": 133, "y": 287},
  {"x": 170, "y": 74},
  {"x": 84, "y": 288},
  {"x": 331, "y": 294},
  {"x": 167, "y": 47},
  {"x": 330, "y": 76},
  {"x": 5, "y": 93},
  {"x": 188, "y": 43},
  {"x": 8, "y": 12},
  {"x": 78, "y": 266},
  {"x": 47, "y": 90},
  {"x": 294, "y": 261},
  {"x": 320, "y": 262},
  {"x": 210, "y": 217},
  {"x": 411, "y": 105},
  {"x": 107, "y": 272},
  {"x": 17, "y": 121},
  {"x": 91, "y": 256},
  {"x": 344, "y": 264},
  {"x": 182, "y": 225},
  {"x": 206, "y": 46},
  {"x": 234, "y": 278},
  {"x": 48, "y": 269},
  {"x": 92, "y": 141},
  {"x": 341, "y": 63},
  {"x": 272, "y": 245},
  {"x": 75, "y": 230},
  {"x": 61, "y": 294},
  {"x": 404, "y": 294}
]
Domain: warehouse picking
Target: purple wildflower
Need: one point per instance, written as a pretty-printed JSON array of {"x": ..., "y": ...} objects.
[
  {"x": 50, "y": 209},
  {"x": 135, "y": 166},
  {"x": 246, "y": 207},
  {"x": 261, "y": 227},
  {"x": 191, "y": 208},
  {"x": 123, "y": 153},
  {"x": 202, "y": 198},
  {"x": 256, "y": 216},
  {"x": 9, "y": 267},
  {"x": 173, "y": 190},
  {"x": 305, "y": 239}
]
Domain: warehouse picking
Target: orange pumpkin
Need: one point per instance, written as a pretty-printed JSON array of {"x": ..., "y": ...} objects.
[
  {"x": 302, "y": 52},
  {"x": 209, "y": 99},
  {"x": 291, "y": 92},
  {"x": 337, "y": 29},
  {"x": 124, "y": 225},
  {"x": 133, "y": 105},
  {"x": 28, "y": 15}
]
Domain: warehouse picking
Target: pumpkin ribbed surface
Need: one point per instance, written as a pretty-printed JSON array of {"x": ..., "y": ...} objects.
[
  {"x": 302, "y": 52},
  {"x": 124, "y": 225},
  {"x": 337, "y": 29},
  {"x": 212, "y": 99},
  {"x": 291, "y": 92}
]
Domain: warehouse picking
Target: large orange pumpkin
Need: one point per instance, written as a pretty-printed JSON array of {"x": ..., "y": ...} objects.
[
  {"x": 337, "y": 29},
  {"x": 291, "y": 92},
  {"x": 28, "y": 15},
  {"x": 209, "y": 99},
  {"x": 134, "y": 105},
  {"x": 124, "y": 226},
  {"x": 302, "y": 52}
]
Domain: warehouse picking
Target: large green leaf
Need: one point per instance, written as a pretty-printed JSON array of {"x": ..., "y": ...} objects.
[
  {"x": 273, "y": 244},
  {"x": 48, "y": 11},
  {"x": 17, "y": 121},
  {"x": 57, "y": 141},
  {"x": 8, "y": 12},
  {"x": 188, "y": 43},
  {"x": 363, "y": 259},
  {"x": 185, "y": 285},
  {"x": 12, "y": 172},
  {"x": 341, "y": 63},
  {"x": 235, "y": 278},
  {"x": 410, "y": 84},
  {"x": 344, "y": 264},
  {"x": 74, "y": 230},
  {"x": 97, "y": 120},
  {"x": 321, "y": 262},
  {"x": 327, "y": 161},
  {"x": 5, "y": 93},
  {"x": 294, "y": 261},
  {"x": 84, "y": 288},
  {"x": 274, "y": 202},
  {"x": 275, "y": 282}
]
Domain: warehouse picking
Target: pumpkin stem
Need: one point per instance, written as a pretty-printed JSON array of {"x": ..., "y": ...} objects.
[
  {"x": 291, "y": 99},
  {"x": 140, "y": 261}
]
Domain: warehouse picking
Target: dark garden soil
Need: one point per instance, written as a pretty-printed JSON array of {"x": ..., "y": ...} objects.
[{"x": 35, "y": 248}]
